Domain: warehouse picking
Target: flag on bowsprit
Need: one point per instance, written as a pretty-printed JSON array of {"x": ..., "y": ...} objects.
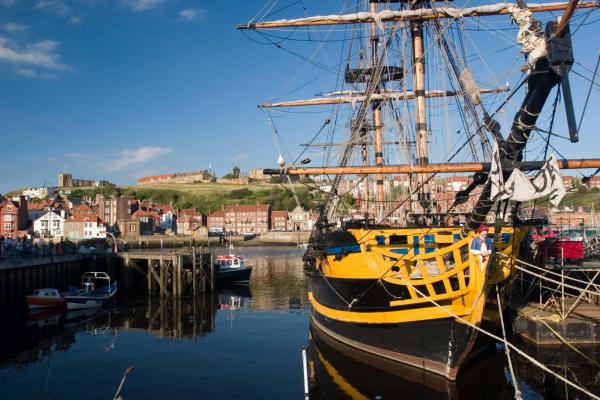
[
  {"x": 496, "y": 178},
  {"x": 519, "y": 187}
]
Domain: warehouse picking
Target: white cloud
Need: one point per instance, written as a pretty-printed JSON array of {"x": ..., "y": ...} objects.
[
  {"x": 122, "y": 161},
  {"x": 192, "y": 14},
  {"x": 41, "y": 54},
  {"x": 14, "y": 28},
  {"x": 31, "y": 73},
  {"x": 58, "y": 8},
  {"x": 129, "y": 157},
  {"x": 143, "y": 5}
]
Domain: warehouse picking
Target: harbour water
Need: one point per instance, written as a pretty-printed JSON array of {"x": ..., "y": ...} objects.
[{"x": 240, "y": 343}]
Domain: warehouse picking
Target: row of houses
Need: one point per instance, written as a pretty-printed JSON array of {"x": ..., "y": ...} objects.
[{"x": 61, "y": 217}]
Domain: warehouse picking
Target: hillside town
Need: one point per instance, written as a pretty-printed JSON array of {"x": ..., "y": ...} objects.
[
  {"x": 41, "y": 213},
  {"x": 61, "y": 217}
]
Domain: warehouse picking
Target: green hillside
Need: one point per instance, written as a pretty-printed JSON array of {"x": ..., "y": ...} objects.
[{"x": 208, "y": 197}]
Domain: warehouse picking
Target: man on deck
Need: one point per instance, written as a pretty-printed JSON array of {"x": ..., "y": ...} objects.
[{"x": 482, "y": 245}]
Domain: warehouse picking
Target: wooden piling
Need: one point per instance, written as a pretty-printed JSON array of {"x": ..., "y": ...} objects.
[
  {"x": 212, "y": 274},
  {"x": 194, "y": 276},
  {"x": 161, "y": 282}
]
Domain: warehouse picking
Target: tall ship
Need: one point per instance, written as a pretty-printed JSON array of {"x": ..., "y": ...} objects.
[{"x": 410, "y": 275}]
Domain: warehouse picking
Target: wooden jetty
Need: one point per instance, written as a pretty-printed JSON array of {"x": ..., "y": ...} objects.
[{"x": 171, "y": 273}]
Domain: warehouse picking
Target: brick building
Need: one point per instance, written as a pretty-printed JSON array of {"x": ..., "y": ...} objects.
[
  {"x": 149, "y": 221},
  {"x": 242, "y": 219},
  {"x": 188, "y": 220},
  {"x": 112, "y": 209},
  {"x": 279, "y": 220},
  {"x": 14, "y": 217}
]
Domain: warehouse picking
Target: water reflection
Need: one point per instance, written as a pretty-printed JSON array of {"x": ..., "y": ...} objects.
[
  {"x": 254, "y": 332},
  {"x": 277, "y": 283},
  {"x": 564, "y": 361}
]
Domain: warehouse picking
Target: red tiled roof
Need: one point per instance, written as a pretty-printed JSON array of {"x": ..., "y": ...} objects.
[
  {"x": 218, "y": 213},
  {"x": 248, "y": 208},
  {"x": 84, "y": 218},
  {"x": 278, "y": 213},
  {"x": 37, "y": 206},
  {"x": 144, "y": 213}
]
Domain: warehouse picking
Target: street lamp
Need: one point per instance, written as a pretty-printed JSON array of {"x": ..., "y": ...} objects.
[{"x": 114, "y": 241}]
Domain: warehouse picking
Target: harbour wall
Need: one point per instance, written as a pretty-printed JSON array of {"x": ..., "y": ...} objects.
[
  {"x": 21, "y": 276},
  {"x": 284, "y": 237}
]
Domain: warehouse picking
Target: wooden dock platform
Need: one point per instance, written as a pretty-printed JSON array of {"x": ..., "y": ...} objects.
[
  {"x": 171, "y": 273},
  {"x": 543, "y": 326}
]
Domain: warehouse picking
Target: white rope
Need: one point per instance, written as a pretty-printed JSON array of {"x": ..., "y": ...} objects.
[
  {"x": 512, "y": 346},
  {"x": 582, "y": 290},
  {"x": 507, "y": 349},
  {"x": 551, "y": 272}
]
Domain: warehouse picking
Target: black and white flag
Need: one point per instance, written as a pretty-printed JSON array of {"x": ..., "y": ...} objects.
[{"x": 519, "y": 187}]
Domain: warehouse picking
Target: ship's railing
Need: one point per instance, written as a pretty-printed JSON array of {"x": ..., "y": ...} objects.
[{"x": 448, "y": 272}]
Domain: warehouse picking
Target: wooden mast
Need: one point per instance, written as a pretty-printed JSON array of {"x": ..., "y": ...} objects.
[
  {"x": 420, "y": 112},
  {"x": 379, "y": 193}
]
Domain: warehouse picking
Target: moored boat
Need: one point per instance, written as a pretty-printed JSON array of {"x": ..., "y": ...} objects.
[
  {"x": 45, "y": 298},
  {"x": 91, "y": 296},
  {"x": 231, "y": 269}
]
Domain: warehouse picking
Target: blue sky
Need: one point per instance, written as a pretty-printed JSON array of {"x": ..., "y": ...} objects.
[{"x": 118, "y": 89}]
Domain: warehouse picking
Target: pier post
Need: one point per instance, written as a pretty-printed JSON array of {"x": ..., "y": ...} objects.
[
  {"x": 212, "y": 274},
  {"x": 194, "y": 277},
  {"x": 162, "y": 277}
]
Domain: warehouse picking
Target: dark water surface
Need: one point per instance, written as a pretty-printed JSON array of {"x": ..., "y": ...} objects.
[{"x": 241, "y": 343}]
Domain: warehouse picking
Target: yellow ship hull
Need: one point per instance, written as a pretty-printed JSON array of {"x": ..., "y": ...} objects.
[{"x": 410, "y": 295}]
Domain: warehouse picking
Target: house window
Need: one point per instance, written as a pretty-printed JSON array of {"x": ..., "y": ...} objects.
[
  {"x": 9, "y": 217},
  {"x": 131, "y": 228},
  {"x": 8, "y": 226}
]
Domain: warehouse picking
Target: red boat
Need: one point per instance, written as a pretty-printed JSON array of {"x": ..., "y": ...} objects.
[{"x": 45, "y": 298}]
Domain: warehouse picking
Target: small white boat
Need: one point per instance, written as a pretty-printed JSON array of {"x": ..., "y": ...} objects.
[{"x": 90, "y": 295}]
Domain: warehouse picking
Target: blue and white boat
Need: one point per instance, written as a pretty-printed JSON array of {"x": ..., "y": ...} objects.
[
  {"x": 96, "y": 290},
  {"x": 231, "y": 269}
]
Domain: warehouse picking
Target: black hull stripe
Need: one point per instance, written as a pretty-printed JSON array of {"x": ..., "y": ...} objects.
[{"x": 371, "y": 295}]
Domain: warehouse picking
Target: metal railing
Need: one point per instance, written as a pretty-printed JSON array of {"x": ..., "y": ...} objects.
[{"x": 563, "y": 287}]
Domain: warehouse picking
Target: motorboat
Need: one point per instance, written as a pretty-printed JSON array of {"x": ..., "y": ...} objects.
[
  {"x": 231, "y": 269},
  {"x": 96, "y": 290},
  {"x": 45, "y": 298}
]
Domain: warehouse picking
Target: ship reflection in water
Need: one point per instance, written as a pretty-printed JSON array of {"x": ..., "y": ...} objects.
[{"x": 243, "y": 342}]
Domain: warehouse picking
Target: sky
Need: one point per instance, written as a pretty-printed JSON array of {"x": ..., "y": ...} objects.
[{"x": 119, "y": 89}]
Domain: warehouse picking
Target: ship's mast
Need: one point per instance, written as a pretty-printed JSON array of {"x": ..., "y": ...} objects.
[
  {"x": 420, "y": 112},
  {"x": 376, "y": 107}
]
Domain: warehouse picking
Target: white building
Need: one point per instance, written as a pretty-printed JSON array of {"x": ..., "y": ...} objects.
[
  {"x": 300, "y": 220},
  {"x": 84, "y": 226},
  {"x": 36, "y": 192},
  {"x": 50, "y": 224}
]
